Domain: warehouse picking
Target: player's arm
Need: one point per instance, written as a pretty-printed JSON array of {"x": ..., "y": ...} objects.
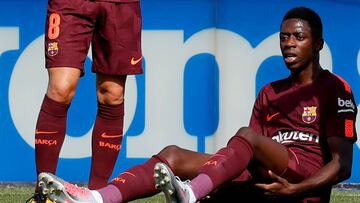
[
  {"x": 341, "y": 134},
  {"x": 337, "y": 170}
]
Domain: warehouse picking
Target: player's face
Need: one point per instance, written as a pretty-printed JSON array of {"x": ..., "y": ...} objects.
[{"x": 296, "y": 44}]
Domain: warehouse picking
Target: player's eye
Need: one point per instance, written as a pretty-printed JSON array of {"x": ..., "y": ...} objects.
[
  {"x": 300, "y": 37},
  {"x": 283, "y": 37}
]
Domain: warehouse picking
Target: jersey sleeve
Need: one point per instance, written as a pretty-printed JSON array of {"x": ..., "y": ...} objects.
[
  {"x": 256, "y": 115},
  {"x": 341, "y": 115}
]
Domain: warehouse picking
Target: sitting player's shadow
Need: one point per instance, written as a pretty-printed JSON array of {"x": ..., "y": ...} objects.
[{"x": 246, "y": 192}]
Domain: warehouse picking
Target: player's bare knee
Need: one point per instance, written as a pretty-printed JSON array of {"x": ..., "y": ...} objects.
[
  {"x": 246, "y": 133},
  {"x": 62, "y": 94},
  {"x": 169, "y": 151},
  {"x": 172, "y": 154},
  {"x": 110, "y": 96}
]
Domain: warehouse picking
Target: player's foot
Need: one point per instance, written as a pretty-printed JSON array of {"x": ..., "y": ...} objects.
[
  {"x": 38, "y": 198},
  {"x": 61, "y": 191},
  {"x": 174, "y": 189}
]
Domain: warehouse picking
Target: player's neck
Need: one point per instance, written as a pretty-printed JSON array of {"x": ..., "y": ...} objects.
[{"x": 306, "y": 75}]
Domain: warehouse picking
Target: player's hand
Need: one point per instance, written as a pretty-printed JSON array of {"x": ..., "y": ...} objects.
[{"x": 280, "y": 186}]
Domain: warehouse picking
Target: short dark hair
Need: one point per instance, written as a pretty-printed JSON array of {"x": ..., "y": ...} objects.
[{"x": 309, "y": 16}]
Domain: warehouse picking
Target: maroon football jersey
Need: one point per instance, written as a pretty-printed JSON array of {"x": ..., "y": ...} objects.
[{"x": 301, "y": 117}]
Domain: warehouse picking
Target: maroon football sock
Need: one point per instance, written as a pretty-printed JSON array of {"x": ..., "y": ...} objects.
[
  {"x": 49, "y": 134},
  {"x": 106, "y": 143},
  {"x": 136, "y": 182},
  {"x": 110, "y": 194},
  {"x": 202, "y": 185},
  {"x": 227, "y": 164}
]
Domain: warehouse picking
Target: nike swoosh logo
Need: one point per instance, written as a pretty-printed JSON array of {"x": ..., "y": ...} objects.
[
  {"x": 39, "y": 132},
  {"x": 220, "y": 155},
  {"x": 269, "y": 117},
  {"x": 128, "y": 174},
  {"x": 104, "y": 135},
  {"x": 135, "y": 61}
]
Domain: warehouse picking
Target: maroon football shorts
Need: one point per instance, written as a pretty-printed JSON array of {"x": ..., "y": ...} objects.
[
  {"x": 113, "y": 29},
  {"x": 298, "y": 169}
]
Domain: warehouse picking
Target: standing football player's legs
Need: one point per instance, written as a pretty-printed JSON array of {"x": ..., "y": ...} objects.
[
  {"x": 66, "y": 46},
  {"x": 51, "y": 123},
  {"x": 108, "y": 128},
  {"x": 65, "y": 52},
  {"x": 116, "y": 46}
]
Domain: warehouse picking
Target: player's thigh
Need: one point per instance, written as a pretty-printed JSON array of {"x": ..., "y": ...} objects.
[
  {"x": 184, "y": 163},
  {"x": 268, "y": 153},
  {"x": 62, "y": 83},
  {"x": 271, "y": 155},
  {"x": 110, "y": 89}
]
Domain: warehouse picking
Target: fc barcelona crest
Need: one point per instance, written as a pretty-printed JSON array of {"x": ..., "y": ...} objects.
[
  {"x": 52, "y": 48},
  {"x": 309, "y": 114}
]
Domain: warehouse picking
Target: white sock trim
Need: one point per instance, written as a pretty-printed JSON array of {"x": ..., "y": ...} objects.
[
  {"x": 191, "y": 193},
  {"x": 97, "y": 196}
]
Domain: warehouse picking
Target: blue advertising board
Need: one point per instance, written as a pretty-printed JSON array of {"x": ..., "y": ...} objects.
[{"x": 205, "y": 61}]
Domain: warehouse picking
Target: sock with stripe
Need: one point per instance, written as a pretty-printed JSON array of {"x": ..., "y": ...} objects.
[
  {"x": 136, "y": 182},
  {"x": 49, "y": 134},
  {"x": 106, "y": 143},
  {"x": 225, "y": 165}
]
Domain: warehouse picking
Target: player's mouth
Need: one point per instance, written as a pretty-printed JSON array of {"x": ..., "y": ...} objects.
[{"x": 289, "y": 57}]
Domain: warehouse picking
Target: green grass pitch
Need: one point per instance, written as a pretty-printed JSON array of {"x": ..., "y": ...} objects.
[{"x": 11, "y": 194}]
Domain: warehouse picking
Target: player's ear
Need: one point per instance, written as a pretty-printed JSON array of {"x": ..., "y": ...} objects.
[{"x": 319, "y": 44}]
